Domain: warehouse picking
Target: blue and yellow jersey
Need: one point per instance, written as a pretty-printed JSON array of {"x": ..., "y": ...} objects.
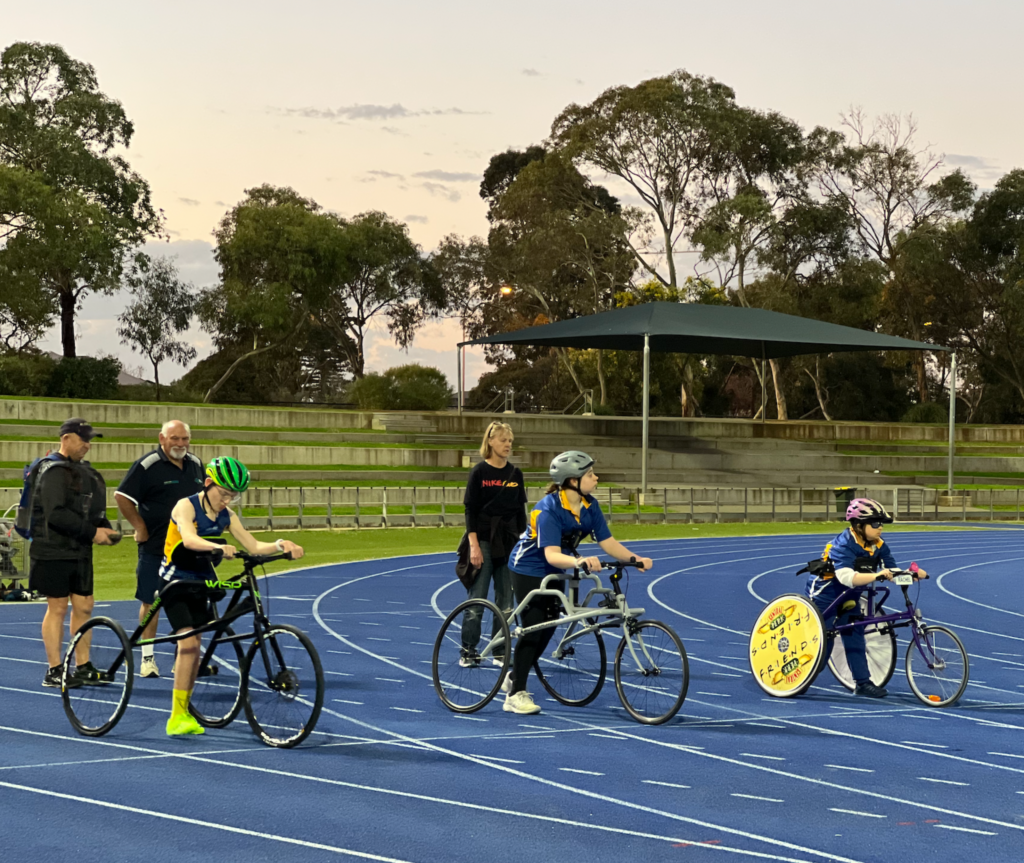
[
  {"x": 180, "y": 562},
  {"x": 550, "y": 520},
  {"x": 847, "y": 551}
]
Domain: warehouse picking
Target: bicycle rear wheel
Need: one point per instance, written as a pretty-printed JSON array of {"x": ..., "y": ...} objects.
[
  {"x": 880, "y": 648},
  {"x": 652, "y": 673},
  {"x": 574, "y": 666},
  {"x": 217, "y": 696},
  {"x": 96, "y": 706},
  {"x": 787, "y": 645},
  {"x": 283, "y": 687},
  {"x": 471, "y": 655},
  {"x": 937, "y": 666}
]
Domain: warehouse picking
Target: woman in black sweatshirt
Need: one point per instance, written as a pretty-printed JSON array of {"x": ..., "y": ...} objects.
[{"x": 495, "y": 516}]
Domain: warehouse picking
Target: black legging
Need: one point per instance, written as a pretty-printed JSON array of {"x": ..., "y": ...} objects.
[{"x": 530, "y": 647}]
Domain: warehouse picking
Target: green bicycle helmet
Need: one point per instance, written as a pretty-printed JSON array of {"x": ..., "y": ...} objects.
[{"x": 229, "y": 473}]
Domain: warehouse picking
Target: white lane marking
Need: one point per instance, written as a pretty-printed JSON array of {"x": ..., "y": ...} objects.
[
  {"x": 965, "y": 830},
  {"x": 855, "y": 812},
  {"x": 847, "y": 767},
  {"x": 375, "y": 638},
  {"x": 531, "y": 777},
  {"x": 607, "y": 736},
  {"x": 715, "y": 694},
  {"x": 945, "y": 589},
  {"x": 180, "y": 819},
  {"x": 584, "y": 772},
  {"x": 408, "y": 709},
  {"x": 463, "y": 716},
  {"x": 502, "y": 760},
  {"x": 755, "y": 797},
  {"x": 389, "y": 679},
  {"x": 339, "y": 673},
  {"x": 766, "y": 757},
  {"x": 724, "y": 674},
  {"x": 1006, "y": 754},
  {"x": 346, "y": 652},
  {"x": 674, "y": 785},
  {"x": 919, "y": 743},
  {"x": 346, "y": 701},
  {"x": 943, "y": 781}
]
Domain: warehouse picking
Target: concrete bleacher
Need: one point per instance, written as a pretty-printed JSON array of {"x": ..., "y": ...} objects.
[{"x": 318, "y": 446}]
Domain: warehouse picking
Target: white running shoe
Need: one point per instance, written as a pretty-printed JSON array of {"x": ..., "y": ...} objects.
[
  {"x": 521, "y": 703},
  {"x": 506, "y": 684},
  {"x": 468, "y": 662},
  {"x": 149, "y": 668}
]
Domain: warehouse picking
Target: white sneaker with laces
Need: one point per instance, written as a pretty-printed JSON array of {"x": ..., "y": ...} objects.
[
  {"x": 521, "y": 703},
  {"x": 149, "y": 668}
]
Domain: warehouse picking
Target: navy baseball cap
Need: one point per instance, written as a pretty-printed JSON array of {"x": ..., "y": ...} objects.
[{"x": 78, "y": 426}]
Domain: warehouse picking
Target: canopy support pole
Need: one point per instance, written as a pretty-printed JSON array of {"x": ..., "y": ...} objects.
[
  {"x": 459, "y": 354},
  {"x": 647, "y": 400},
  {"x": 764, "y": 381},
  {"x": 952, "y": 422}
]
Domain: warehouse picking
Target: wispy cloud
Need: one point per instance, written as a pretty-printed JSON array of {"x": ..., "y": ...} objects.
[
  {"x": 192, "y": 202},
  {"x": 441, "y": 191},
  {"x": 962, "y": 161},
  {"x": 397, "y": 111},
  {"x": 448, "y": 176},
  {"x": 531, "y": 73},
  {"x": 420, "y": 220},
  {"x": 373, "y": 176}
]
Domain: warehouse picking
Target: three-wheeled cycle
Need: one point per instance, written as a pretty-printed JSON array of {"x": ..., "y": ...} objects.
[
  {"x": 650, "y": 668},
  {"x": 278, "y": 680},
  {"x": 789, "y": 643}
]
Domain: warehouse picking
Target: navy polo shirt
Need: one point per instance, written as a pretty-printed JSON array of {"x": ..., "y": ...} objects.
[{"x": 155, "y": 484}]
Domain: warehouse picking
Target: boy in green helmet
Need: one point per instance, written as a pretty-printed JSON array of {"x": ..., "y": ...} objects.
[{"x": 191, "y": 555}]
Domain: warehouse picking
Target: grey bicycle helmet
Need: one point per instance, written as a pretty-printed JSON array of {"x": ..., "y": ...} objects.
[{"x": 569, "y": 465}]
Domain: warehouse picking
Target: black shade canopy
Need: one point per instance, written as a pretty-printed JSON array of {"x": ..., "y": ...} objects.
[{"x": 698, "y": 329}]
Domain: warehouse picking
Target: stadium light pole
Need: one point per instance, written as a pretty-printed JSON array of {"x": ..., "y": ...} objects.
[
  {"x": 647, "y": 415},
  {"x": 952, "y": 422}
]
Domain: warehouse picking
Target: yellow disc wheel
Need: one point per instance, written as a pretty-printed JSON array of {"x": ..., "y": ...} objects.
[{"x": 787, "y": 645}]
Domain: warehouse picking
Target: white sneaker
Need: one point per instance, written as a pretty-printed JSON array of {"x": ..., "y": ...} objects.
[
  {"x": 506, "y": 684},
  {"x": 468, "y": 662},
  {"x": 149, "y": 668},
  {"x": 521, "y": 703}
]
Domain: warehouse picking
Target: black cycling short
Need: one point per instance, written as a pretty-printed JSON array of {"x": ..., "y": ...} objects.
[
  {"x": 60, "y": 578},
  {"x": 187, "y": 606}
]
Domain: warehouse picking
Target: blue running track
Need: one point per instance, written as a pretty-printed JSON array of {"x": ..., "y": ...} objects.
[{"x": 390, "y": 774}]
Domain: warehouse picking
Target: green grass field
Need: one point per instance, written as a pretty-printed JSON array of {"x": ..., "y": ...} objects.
[{"x": 115, "y": 567}]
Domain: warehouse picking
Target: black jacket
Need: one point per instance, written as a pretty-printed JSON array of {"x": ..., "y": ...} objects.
[{"x": 70, "y": 502}]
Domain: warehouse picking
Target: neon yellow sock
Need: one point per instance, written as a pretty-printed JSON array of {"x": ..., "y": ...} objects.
[{"x": 179, "y": 704}]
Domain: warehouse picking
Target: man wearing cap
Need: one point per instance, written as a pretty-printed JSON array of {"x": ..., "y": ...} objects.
[
  {"x": 145, "y": 497},
  {"x": 69, "y": 517}
]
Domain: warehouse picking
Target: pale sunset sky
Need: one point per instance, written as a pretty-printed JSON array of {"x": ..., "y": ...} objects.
[{"x": 398, "y": 106}]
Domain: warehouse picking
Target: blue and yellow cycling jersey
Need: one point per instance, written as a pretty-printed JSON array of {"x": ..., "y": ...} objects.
[
  {"x": 180, "y": 562},
  {"x": 552, "y": 521},
  {"x": 846, "y": 551}
]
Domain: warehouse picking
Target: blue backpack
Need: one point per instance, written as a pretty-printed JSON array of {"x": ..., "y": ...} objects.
[{"x": 23, "y": 521}]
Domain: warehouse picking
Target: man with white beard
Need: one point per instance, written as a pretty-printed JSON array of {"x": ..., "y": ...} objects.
[{"x": 145, "y": 497}]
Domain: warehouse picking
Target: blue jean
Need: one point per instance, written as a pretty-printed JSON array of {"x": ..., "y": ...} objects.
[
  {"x": 853, "y": 640},
  {"x": 489, "y": 572}
]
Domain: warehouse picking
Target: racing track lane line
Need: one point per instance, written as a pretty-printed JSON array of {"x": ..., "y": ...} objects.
[
  {"x": 539, "y": 779},
  {"x": 195, "y": 822},
  {"x": 775, "y": 771},
  {"x": 409, "y": 795}
]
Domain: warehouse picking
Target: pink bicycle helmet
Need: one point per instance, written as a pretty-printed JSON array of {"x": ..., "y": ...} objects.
[{"x": 864, "y": 509}]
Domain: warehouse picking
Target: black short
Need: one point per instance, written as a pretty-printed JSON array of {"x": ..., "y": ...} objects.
[
  {"x": 59, "y": 578},
  {"x": 147, "y": 575},
  {"x": 187, "y": 606}
]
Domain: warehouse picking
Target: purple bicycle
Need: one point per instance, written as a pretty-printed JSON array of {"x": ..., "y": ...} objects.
[{"x": 789, "y": 643}]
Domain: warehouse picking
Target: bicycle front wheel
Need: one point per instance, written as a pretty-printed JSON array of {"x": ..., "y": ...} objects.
[
  {"x": 652, "y": 673},
  {"x": 574, "y": 666},
  {"x": 471, "y": 655},
  {"x": 937, "y": 666},
  {"x": 95, "y": 702},
  {"x": 217, "y": 696},
  {"x": 283, "y": 687}
]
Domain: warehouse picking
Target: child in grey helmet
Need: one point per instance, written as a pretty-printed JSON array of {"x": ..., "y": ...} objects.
[{"x": 566, "y": 513}]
